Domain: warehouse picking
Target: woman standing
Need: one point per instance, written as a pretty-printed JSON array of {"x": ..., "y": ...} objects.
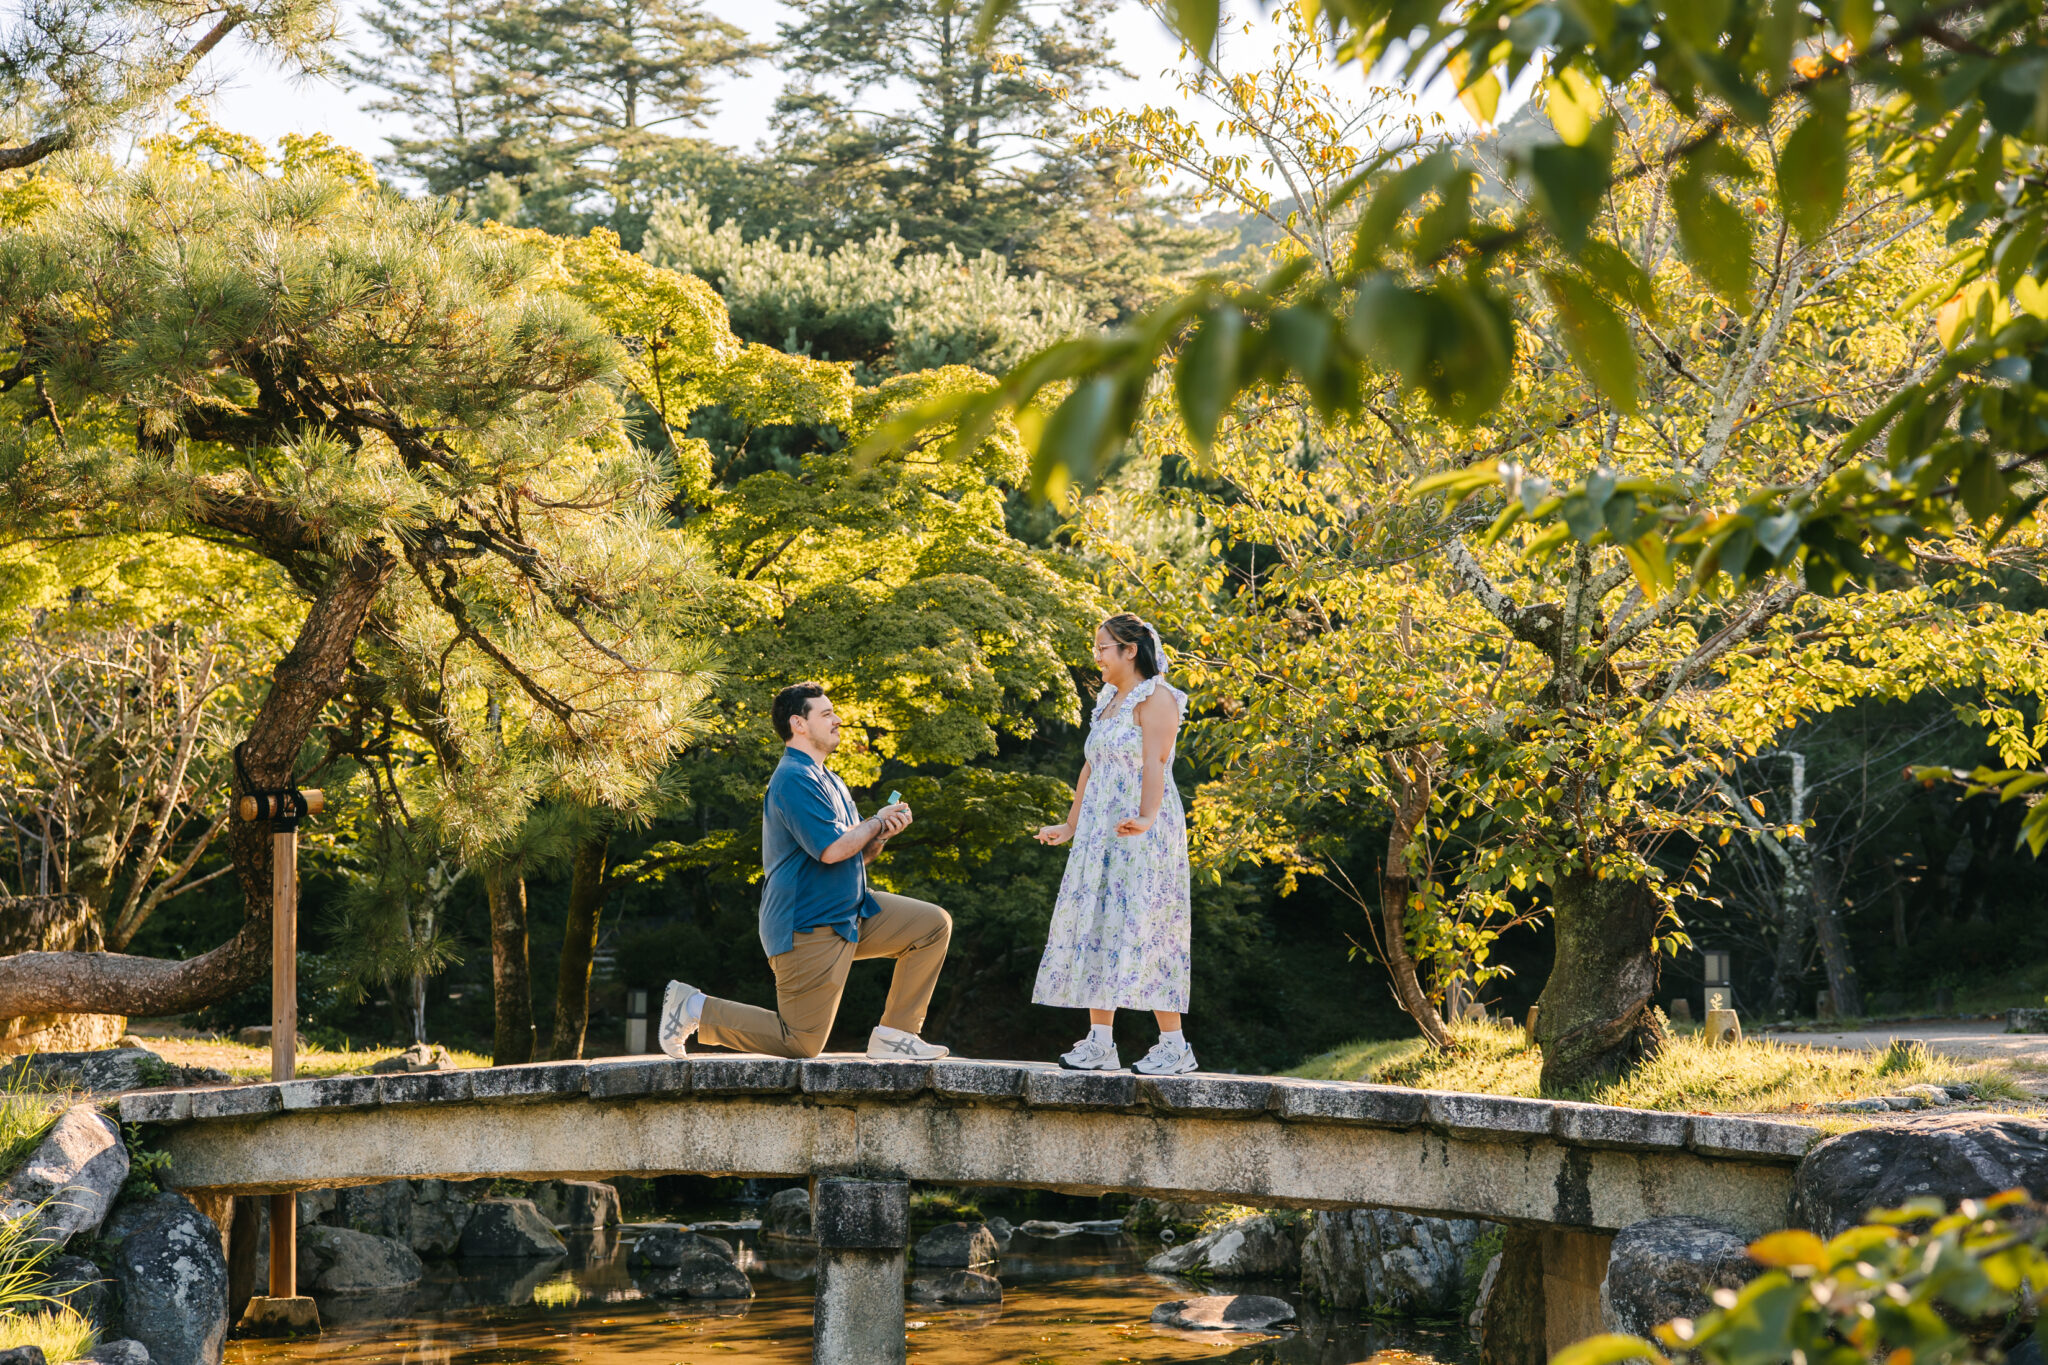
[{"x": 1119, "y": 935}]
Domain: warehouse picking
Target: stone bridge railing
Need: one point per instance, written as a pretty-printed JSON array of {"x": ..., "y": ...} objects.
[{"x": 1264, "y": 1140}]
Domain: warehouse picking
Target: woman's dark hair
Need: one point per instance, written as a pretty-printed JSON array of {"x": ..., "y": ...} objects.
[
  {"x": 794, "y": 700},
  {"x": 1126, "y": 629}
]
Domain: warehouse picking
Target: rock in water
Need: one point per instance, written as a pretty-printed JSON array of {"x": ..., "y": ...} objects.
[
  {"x": 441, "y": 1210},
  {"x": 961, "y": 1244},
  {"x": 73, "y": 1174},
  {"x": 788, "y": 1217},
  {"x": 382, "y": 1210},
  {"x": 1259, "y": 1247},
  {"x": 1665, "y": 1268},
  {"x": 1960, "y": 1157},
  {"x": 1224, "y": 1313},
  {"x": 118, "y": 1353},
  {"x": 1380, "y": 1261},
  {"x": 344, "y": 1261},
  {"x": 173, "y": 1279},
  {"x": 674, "y": 1245},
  {"x": 698, "y": 1274},
  {"x": 510, "y": 1227},
  {"x": 577, "y": 1203},
  {"x": 962, "y": 1286}
]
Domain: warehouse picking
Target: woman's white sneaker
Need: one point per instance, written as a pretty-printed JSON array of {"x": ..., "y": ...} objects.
[
  {"x": 1166, "y": 1059},
  {"x": 675, "y": 1026},
  {"x": 1089, "y": 1055}
]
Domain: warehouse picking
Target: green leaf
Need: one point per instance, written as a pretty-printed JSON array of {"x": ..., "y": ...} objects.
[
  {"x": 1813, "y": 170},
  {"x": 1075, "y": 438},
  {"x": 1596, "y": 336},
  {"x": 1714, "y": 235},
  {"x": 1983, "y": 487},
  {"x": 1196, "y": 22},
  {"x": 1776, "y": 532},
  {"x": 1614, "y": 270},
  {"x": 1205, "y": 380},
  {"x": 1569, "y": 182},
  {"x": 1609, "y": 1348}
]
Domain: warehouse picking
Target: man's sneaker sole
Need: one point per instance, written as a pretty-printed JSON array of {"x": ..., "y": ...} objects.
[{"x": 673, "y": 1002}]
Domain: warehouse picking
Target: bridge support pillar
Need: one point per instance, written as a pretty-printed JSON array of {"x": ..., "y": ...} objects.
[{"x": 862, "y": 1228}]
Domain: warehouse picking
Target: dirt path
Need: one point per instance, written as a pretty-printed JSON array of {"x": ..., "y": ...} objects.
[{"x": 1963, "y": 1039}]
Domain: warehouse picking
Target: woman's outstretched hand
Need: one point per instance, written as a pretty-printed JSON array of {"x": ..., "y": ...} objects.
[
  {"x": 1054, "y": 834},
  {"x": 1137, "y": 824}
]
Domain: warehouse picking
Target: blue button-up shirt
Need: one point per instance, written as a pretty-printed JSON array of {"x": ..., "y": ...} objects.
[{"x": 806, "y": 810}]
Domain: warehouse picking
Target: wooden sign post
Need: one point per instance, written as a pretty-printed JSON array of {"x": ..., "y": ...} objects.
[{"x": 285, "y": 1310}]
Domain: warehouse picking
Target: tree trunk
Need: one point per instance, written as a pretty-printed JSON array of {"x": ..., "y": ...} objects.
[
  {"x": 511, "y": 986},
  {"x": 305, "y": 681},
  {"x": 1594, "y": 1018},
  {"x": 587, "y": 868},
  {"x": 1834, "y": 944},
  {"x": 1396, "y": 886},
  {"x": 1795, "y": 917}
]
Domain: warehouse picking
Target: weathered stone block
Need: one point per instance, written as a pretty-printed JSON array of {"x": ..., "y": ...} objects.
[
  {"x": 1600, "y": 1125},
  {"x": 858, "y": 1077},
  {"x": 966, "y": 1080},
  {"x": 1755, "y": 1139},
  {"x": 332, "y": 1092},
  {"x": 651, "y": 1076},
  {"x": 426, "y": 1087},
  {"x": 1080, "y": 1090},
  {"x": 1489, "y": 1118},
  {"x": 853, "y": 1214},
  {"x": 156, "y": 1106},
  {"x": 1205, "y": 1096},
  {"x": 236, "y": 1101},
  {"x": 1378, "y": 1106},
  {"x": 743, "y": 1075},
  {"x": 530, "y": 1081}
]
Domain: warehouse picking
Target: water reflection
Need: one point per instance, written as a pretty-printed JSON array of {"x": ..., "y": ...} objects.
[{"x": 1083, "y": 1300}]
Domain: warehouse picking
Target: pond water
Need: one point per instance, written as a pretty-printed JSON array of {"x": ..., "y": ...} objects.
[{"x": 1080, "y": 1300}]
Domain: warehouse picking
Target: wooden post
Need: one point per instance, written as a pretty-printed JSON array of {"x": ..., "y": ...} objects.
[{"x": 283, "y": 1311}]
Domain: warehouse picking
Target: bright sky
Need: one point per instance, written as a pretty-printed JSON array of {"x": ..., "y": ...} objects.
[{"x": 264, "y": 103}]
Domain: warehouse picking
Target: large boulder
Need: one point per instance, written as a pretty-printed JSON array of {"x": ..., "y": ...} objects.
[
  {"x": 788, "y": 1217},
  {"x": 1224, "y": 1313},
  {"x": 381, "y": 1210},
  {"x": 76, "y": 1283},
  {"x": 1665, "y": 1268},
  {"x": 1258, "y": 1247},
  {"x": 167, "y": 1263},
  {"x": 1965, "y": 1156},
  {"x": 1380, "y": 1261},
  {"x": 126, "y": 1352},
  {"x": 344, "y": 1261},
  {"x": 441, "y": 1210},
  {"x": 70, "y": 1180},
  {"x": 105, "y": 1071},
  {"x": 960, "y": 1286},
  {"x": 688, "y": 1265},
  {"x": 577, "y": 1203},
  {"x": 961, "y": 1244},
  {"x": 672, "y": 1245},
  {"x": 505, "y": 1228}
]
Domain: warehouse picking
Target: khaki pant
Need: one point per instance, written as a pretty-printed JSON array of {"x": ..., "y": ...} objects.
[{"x": 810, "y": 977}]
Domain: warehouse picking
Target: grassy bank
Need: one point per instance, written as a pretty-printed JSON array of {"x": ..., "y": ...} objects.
[
  {"x": 1750, "y": 1077},
  {"x": 247, "y": 1063}
]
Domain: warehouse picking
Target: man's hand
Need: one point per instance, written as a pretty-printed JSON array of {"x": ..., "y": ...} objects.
[{"x": 891, "y": 821}]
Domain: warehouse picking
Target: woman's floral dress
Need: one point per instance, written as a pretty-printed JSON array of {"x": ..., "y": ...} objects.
[{"x": 1119, "y": 936}]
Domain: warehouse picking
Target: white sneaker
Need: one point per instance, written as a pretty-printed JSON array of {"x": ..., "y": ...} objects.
[
  {"x": 1166, "y": 1059},
  {"x": 887, "y": 1044},
  {"x": 676, "y": 1025},
  {"x": 1089, "y": 1055}
]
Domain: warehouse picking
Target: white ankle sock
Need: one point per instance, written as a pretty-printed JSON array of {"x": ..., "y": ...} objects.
[
  {"x": 693, "y": 1008},
  {"x": 1176, "y": 1037},
  {"x": 1101, "y": 1033}
]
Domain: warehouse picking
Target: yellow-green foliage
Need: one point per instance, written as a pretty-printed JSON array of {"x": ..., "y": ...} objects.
[
  {"x": 62, "y": 1333},
  {"x": 1753, "y": 1076},
  {"x": 25, "y": 1115}
]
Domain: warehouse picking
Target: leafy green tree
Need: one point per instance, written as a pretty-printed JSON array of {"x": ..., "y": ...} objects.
[
  {"x": 72, "y": 71},
  {"x": 415, "y": 423}
]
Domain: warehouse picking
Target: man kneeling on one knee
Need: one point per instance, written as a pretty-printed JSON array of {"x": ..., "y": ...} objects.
[{"x": 817, "y": 913}]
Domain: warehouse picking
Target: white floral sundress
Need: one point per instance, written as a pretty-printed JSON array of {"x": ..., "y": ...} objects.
[{"x": 1119, "y": 937}]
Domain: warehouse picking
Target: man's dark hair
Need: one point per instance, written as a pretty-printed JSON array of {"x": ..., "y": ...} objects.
[{"x": 794, "y": 700}]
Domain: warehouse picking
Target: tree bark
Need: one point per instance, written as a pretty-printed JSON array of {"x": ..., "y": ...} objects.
[
  {"x": 1834, "y": 943},
  {"x": 1795, "y": 918},
  {"x": 313, "y": 674},
  {"x": 1396, "y": 886},
  {"x": 1594, "y": 1018},
  {"x": 511, "y": 983},
  {"x": 588, "y": 866}
]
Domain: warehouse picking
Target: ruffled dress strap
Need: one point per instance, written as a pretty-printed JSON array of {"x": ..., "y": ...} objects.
[{"x": 1149, "y": 685}]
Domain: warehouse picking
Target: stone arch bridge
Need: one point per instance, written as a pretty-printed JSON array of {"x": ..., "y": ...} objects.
[{"x": 862, "y": 1130}]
